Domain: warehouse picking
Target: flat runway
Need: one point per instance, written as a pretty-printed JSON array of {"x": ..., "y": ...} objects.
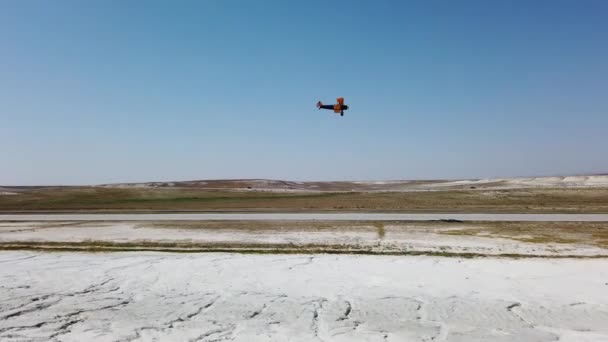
[{"x": 307, "y": 217}]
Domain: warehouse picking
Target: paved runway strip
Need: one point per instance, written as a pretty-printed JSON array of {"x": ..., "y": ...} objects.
[{"x": 308, "y": 217}]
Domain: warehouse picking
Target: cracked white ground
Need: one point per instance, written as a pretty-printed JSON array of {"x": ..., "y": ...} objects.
[{"x": 237, "y": 297}]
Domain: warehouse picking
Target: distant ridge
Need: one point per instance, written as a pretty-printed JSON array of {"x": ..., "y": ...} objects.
[{"x": 599, "y": 180}]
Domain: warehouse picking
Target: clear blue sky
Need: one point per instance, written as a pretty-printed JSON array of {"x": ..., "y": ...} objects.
[{"x": 117, "y": 91}]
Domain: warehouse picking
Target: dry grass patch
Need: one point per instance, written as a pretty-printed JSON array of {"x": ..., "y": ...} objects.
[
  {"x": 102, "y": 246},
  {"x": 93, "y": 199},
  {"x": 270, "y": 225},
  {"x": 587, "y": 233}
]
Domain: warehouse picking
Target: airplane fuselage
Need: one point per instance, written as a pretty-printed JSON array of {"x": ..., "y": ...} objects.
[{"x": 332, "y": 107}]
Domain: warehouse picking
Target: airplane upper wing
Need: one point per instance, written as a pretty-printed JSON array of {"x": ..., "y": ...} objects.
[{"x": 340, "y": 101}]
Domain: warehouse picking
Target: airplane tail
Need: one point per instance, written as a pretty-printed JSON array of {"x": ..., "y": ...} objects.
[{"x": 319, "y": 104}]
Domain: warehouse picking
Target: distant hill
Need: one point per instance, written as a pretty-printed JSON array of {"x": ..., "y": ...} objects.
[{"x": 395, "y": 185}]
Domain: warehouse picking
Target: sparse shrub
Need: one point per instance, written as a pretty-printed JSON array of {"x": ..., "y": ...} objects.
[{"x": 380, "y": 227}]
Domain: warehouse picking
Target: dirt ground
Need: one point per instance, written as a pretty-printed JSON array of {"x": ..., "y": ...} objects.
[
  {"x": 149, "y": 296},
  {"x": 438, "y": 238},
  {"x": 94, "y": 199}
]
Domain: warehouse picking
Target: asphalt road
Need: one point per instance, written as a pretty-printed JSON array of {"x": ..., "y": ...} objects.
[{"x": 306, "y": 217}]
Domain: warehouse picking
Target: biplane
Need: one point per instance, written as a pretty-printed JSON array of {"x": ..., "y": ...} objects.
[{"x": 339, "y": 107}]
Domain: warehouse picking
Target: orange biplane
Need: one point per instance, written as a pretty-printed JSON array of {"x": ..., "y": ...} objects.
[{"x": 339, "y": 107}]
